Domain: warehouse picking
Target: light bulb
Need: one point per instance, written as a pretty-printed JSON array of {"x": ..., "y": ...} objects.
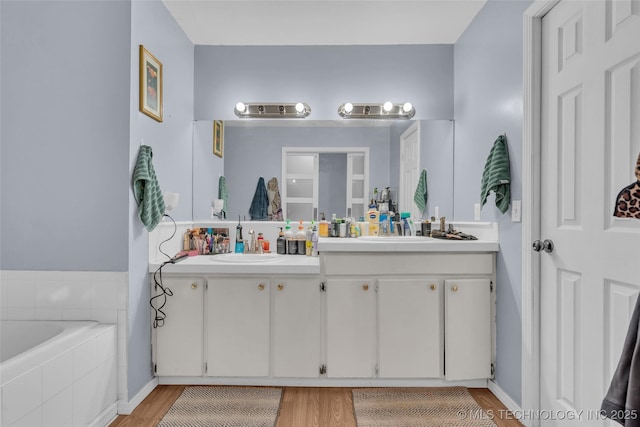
[
  {"x": 406, "y": 107},
  {"x": 348, "y": 107},
  {"x": 300, "y": 107},
  {"x": 387, "y": 106},
  {"x": 240, "y": 107}
]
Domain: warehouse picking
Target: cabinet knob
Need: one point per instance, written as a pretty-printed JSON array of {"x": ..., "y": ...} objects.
[
  {"x": 365, "y": 287},
  {"x": 261, "y": 286},
  {"x": 194, "y": 286},
  {"x": 454, "y": 288},
  {"x": 434, "y": 286},
  {"x": 280, "y": 286}
]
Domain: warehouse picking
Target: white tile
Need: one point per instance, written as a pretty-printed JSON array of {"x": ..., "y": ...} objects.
[
  {"x": 106, "y": 384},
  {"x": 57, "y": 374},
  {"x": 4, "y": 293},
  {"x": 21, "y": 396},
  {"x": 123, "y": 295},
  {"x": 107, "y": 345},
  {"x": 33, "y": 419},
  {"x": 85, "y": 401},
  {"x": 84, "y": 358},
  {"x": 48, "y": 313},
  {"x": 105, "y": 295},
  {"x": 76, "y": 314},
  {"x": 104, "y": 315},
  {"x": 78, "y": 294},
  {"x": 49, "y": 294},
  {"x": 58, "y": 411},
  {"x": 21, "y": 293},
  {"x": 21, "y": 313}
]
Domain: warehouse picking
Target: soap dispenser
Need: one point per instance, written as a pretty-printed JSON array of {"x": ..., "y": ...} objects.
[
  {"x": 301, "y": 239},
  {"x": 239, "y": 239},
  {"x": 281, "y": 243},
  {"x": 292, "y": 245}
]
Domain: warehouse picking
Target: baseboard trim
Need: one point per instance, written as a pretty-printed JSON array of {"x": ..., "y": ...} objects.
[
  {"x": 504, "y": 398},
  {"x": 106, "y": 417},
  {"x": 126, "y": 408}
]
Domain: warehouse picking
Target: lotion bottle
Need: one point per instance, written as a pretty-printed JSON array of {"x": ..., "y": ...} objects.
[{"x": 281, "y": 243}]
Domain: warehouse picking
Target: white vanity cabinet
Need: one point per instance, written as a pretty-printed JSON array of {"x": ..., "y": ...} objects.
[
  {"x": 238, "y": 327},
  {"x": 179, "y": 339},
  {"x": 296, "y": 327},
  {"x": 468, "y": 332},
  {"x": 351, "y": 328},
  {"x": 410, "y": 328}
]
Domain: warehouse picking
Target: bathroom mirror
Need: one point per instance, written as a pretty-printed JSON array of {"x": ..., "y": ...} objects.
[{"x": 253, "y": 149}]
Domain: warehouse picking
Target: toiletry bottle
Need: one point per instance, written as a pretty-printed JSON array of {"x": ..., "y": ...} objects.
[
  {"x": 308, "y": 247},
  {"x": 373, "y": 218},
  {"x": 334, "y": 227},
  {"x": 324, "y": 227},
  {"x": 239, "y": 240},
  {"x": 301, "y": 239},
  {"x": 292, "y": 245},
  {"x": 314, "y": 241},
  {"x": 281, "y": 243}
]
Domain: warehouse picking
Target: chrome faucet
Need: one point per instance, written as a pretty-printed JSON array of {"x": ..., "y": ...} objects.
[{"x": 255, "y": 247}]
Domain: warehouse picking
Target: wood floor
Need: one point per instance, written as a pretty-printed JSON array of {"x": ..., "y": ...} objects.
[{"x": 300, "y": 407}]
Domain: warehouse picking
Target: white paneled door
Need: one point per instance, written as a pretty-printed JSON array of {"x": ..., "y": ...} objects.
[
  {"x": 409, "y": 169},
  {"x": 590, "y": 261}
]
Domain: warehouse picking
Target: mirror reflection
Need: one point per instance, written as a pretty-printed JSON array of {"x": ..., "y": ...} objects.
[{"x": 337, "y": 178}]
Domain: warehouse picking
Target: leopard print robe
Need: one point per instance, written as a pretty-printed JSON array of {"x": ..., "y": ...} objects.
[{"x": 628, "y": 200}]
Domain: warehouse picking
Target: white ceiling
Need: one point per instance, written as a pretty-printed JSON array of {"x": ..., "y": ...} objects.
[{"x": 324, "y": 22}]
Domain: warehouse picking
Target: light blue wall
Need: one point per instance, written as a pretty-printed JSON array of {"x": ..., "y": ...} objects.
[
  {"x": 331, "y": 182},
  {"x": 153, "y": 26},
  {"x": 324, "y": 77},
  {"x": 488, "y": 102},
  {"x": 436, "y": 157},
  {"x": 65, "y": 135}
]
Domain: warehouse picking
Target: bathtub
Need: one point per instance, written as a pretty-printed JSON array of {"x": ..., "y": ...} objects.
[{"x": 55, "y": 373}]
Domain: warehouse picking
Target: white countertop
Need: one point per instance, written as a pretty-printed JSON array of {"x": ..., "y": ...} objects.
[
  {"x": 404, "y": 244},
  {"x": 215, "y": 264}
]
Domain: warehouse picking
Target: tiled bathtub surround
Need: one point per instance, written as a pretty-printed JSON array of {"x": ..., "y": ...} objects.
[
  {"x": 68, "y": 382},
  {"x": 70, "y": 295}
]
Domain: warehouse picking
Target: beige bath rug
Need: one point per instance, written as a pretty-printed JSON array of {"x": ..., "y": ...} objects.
[
  {"x": 207, "y": 406},
  {"x": 418, "y": 407}
]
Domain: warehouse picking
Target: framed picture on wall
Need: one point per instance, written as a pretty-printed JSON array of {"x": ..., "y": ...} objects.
[
  {"x": 218, "y": 137},
  {"x": 150, "y": 85}
]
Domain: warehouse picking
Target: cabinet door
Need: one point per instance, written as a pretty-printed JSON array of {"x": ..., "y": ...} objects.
[
  {"x": 179, "y": 341},
  {"x": 238, "y": 327},
  {"x": 296, "y": 328},
  {"x": 351, "y": 325},
  {"x": 467, "y": 329},
  {"x": 410, "y": 328}
]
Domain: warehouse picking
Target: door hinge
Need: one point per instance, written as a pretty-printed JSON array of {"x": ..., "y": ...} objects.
[
  {"x": 206, "y": 285},
  {"x": 493, "y": 369},
  {"x": 206, "y": 367},
  {"x": 491, "y": 286},
  {"x": 323, "y": 287},
  {"x": 323, "y": 369}
]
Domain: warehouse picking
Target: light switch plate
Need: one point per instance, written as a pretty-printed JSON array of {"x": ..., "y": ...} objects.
[
  {"x": 516, "y": 211},
  {"x": 476, "y": 211}
]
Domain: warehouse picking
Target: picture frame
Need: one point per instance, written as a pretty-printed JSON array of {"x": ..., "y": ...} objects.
[
  {"x": 150, "y": 85},
  {"x": 218, "y": 137}
]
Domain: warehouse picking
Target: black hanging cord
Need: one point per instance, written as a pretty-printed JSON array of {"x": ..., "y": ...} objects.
[
  {"x": 175, "y": 229},
  {"x": 158, "y": 319}
]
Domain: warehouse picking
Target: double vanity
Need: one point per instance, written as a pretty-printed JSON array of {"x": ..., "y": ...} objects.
[{"x": 367, "y": 311}]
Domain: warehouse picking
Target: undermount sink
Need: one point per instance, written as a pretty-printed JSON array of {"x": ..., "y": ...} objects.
[
  {"x": 394, "y": 239},
  {"x": 245, "y": 258}
]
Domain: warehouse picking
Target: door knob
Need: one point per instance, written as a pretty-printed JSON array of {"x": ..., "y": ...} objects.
[
  {"x": 548, "y": 246},
  {"x": 537, "y": 245}
]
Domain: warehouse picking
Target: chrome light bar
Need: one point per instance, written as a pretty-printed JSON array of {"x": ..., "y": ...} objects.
[
  {"x": 387, "y": 110},
  {"x": 297, "y": 110}
]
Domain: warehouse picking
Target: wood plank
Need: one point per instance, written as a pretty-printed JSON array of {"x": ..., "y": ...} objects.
[{"x": 300, "y": 406}]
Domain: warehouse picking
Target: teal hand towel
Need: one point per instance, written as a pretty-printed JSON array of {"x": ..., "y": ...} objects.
[
  {"x": 260, "y": 204},
  {"x": 421, "y": 195},
  {"x": 146, "y": 190},
  {"x": 496, "y": 176},
  {"x": 223, "y": 193}
]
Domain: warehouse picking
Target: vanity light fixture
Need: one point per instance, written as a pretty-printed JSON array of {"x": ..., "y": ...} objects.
[
  {"x": 298, "y": 110},
  {"x": 388, "y": 110}
]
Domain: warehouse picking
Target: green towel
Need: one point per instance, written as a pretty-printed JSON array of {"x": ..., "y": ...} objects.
[
  {"x": 223, "y": 193},
  {"x": 496, "y": 176},
  {"x": 146, "y": 190},
  {"x": 421, "y": 195}
]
